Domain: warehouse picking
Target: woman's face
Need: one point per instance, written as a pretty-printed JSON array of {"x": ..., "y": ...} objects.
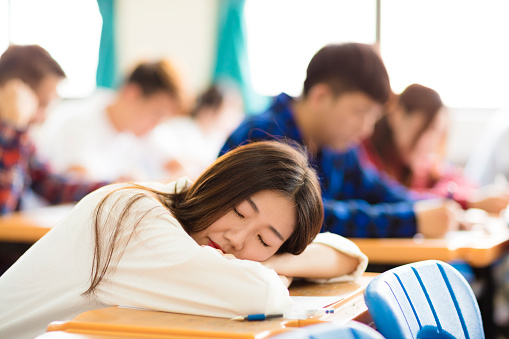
[
  {"x": 428, "y": 146},
  {"x": 254, "y": 229}
]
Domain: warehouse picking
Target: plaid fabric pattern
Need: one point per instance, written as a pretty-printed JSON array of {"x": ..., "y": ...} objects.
[
  {"x": 358, "y": 201},
  {"x": 20, "y": 169}
]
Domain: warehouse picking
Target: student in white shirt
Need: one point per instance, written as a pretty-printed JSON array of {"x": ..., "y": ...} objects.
[
  {"x": 109, "y": 136},
  {"x": 195, "y": 140},
  {"x": 183, "y": 247}
]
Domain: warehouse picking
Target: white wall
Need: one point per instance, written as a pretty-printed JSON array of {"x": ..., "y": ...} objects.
[
  {"x": 183, "y": 30},
  {"x": 466, "y": 126}
]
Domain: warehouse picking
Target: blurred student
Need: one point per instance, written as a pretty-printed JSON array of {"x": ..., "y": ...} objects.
[
  {"x": 109, "y": 136},
  {"x": 195, "y": 140},
  {"x": 345, "y": 89},
  {"x": 183, "y": 247},
  {"x": 408, "y": 144},
  {"x": 28, "y": 84}
]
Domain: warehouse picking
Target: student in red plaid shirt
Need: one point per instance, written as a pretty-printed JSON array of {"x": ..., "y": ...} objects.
[{"x": 28, "y": 81}]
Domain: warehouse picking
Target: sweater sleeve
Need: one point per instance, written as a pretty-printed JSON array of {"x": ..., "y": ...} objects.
[
  {"x": 164, "y": 269},
  {"x": 359, "y": 219},
  {"x": 347, "y": 247}
]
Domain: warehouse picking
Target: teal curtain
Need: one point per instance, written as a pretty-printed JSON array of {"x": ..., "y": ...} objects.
[
  {"x": 107, "y": 66},
  {"x": 232, "y": 65}
]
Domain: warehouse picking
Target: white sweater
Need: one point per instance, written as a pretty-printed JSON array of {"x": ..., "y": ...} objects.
[
  {"x": 162, "y": 268},
  {"x": 80, "y": 133}
]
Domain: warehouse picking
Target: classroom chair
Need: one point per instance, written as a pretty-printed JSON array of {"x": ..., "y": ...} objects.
[
  {"x": 330, "y": 330},
  {"x": 425, "y": 299}
]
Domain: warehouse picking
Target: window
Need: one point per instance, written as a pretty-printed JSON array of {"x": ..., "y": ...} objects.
[
  {"x": 459, "y": 48},
  {"x": 283, "y": 35},
  {"x": 4, "y": 25},
  {"x": 69, "y": 30}
]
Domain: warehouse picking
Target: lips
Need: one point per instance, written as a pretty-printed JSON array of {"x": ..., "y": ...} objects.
[{"x": 215, "y": 245}]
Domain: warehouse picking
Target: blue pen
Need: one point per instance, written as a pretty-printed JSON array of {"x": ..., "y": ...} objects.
[
  {"x": 300, "y": 314},
  {"x": 259, "y": 317}
]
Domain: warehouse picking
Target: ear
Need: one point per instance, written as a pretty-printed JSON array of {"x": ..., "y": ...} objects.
[
  {"x": 131, "y": 91},
  {"x": 320, "y": 92},
  {"x": 319, "y": 95}
]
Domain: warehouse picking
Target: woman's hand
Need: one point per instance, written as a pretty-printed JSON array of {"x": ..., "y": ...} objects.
[
  {"x": 436, "y": 217},
  {"x": 490, "y": 198}
]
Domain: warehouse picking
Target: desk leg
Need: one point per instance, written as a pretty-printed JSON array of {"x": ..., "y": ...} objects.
[
  {"x": 485, "y": 299},
  {"x": 10, "y": 252},
  {"x": 379, "y": 268}
]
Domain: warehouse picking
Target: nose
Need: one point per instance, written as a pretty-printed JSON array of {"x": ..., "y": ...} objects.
[{"x": 236, "y": 237}]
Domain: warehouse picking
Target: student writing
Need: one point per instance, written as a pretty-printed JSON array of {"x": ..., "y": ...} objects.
[
  {"x": 408, "y": 144},
  {"x": 345, "y": 88},
  {"x": 28, "y": 85},
  {"x": 110, "y": 135}
]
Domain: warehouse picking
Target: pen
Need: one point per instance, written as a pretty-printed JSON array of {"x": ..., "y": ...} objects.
[
  {"x": 460, "y": 213},
  {"x": 299, "y": 314},
  {"x": 258, "y": 317},
  {"x": 451, "y": 189}
]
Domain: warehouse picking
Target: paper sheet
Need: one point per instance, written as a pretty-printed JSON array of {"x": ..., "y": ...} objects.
[{"x": 303, "y": 303}]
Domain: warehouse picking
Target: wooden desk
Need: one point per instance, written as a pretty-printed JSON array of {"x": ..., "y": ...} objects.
[
  {"x": 30, "y": 226},
  {"x": 117, "y": 322},
  {"x": 67, "y": 335},
  {"x": 480, "y": 247}
]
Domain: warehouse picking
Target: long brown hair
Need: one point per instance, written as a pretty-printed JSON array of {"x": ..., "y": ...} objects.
[
  {"x": 231, "y": 179},
  {"x": 415, "y": 99}
]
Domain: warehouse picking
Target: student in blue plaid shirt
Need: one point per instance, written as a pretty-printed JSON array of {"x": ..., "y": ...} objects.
[{"x": 343, "y": 95}]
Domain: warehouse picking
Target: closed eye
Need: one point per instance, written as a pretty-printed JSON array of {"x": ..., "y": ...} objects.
[
  {"x": 261, "y": 240},
  {"x": 238, "y": 214}
]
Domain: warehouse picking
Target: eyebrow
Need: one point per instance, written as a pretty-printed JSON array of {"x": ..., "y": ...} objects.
[{"x": 255, "y": 208}]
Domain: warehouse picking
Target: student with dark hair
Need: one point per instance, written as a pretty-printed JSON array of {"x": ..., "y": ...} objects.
[
  {"x": 408, "y": 144},
  {"x": 122, "y": 144},
  {"x": 344, "y": 92},
  {"x": 183, "y": 247},
  {"x": 28, "y": 81},
  {"x": 195, "y": 140}
]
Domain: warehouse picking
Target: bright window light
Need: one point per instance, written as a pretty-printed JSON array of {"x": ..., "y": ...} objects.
[
  {"x": 69, "y": 30},
  {"x": 4, "y": 24},
  {"x": 283, "y": 35},
  {"x": 459, "y": 48}
]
